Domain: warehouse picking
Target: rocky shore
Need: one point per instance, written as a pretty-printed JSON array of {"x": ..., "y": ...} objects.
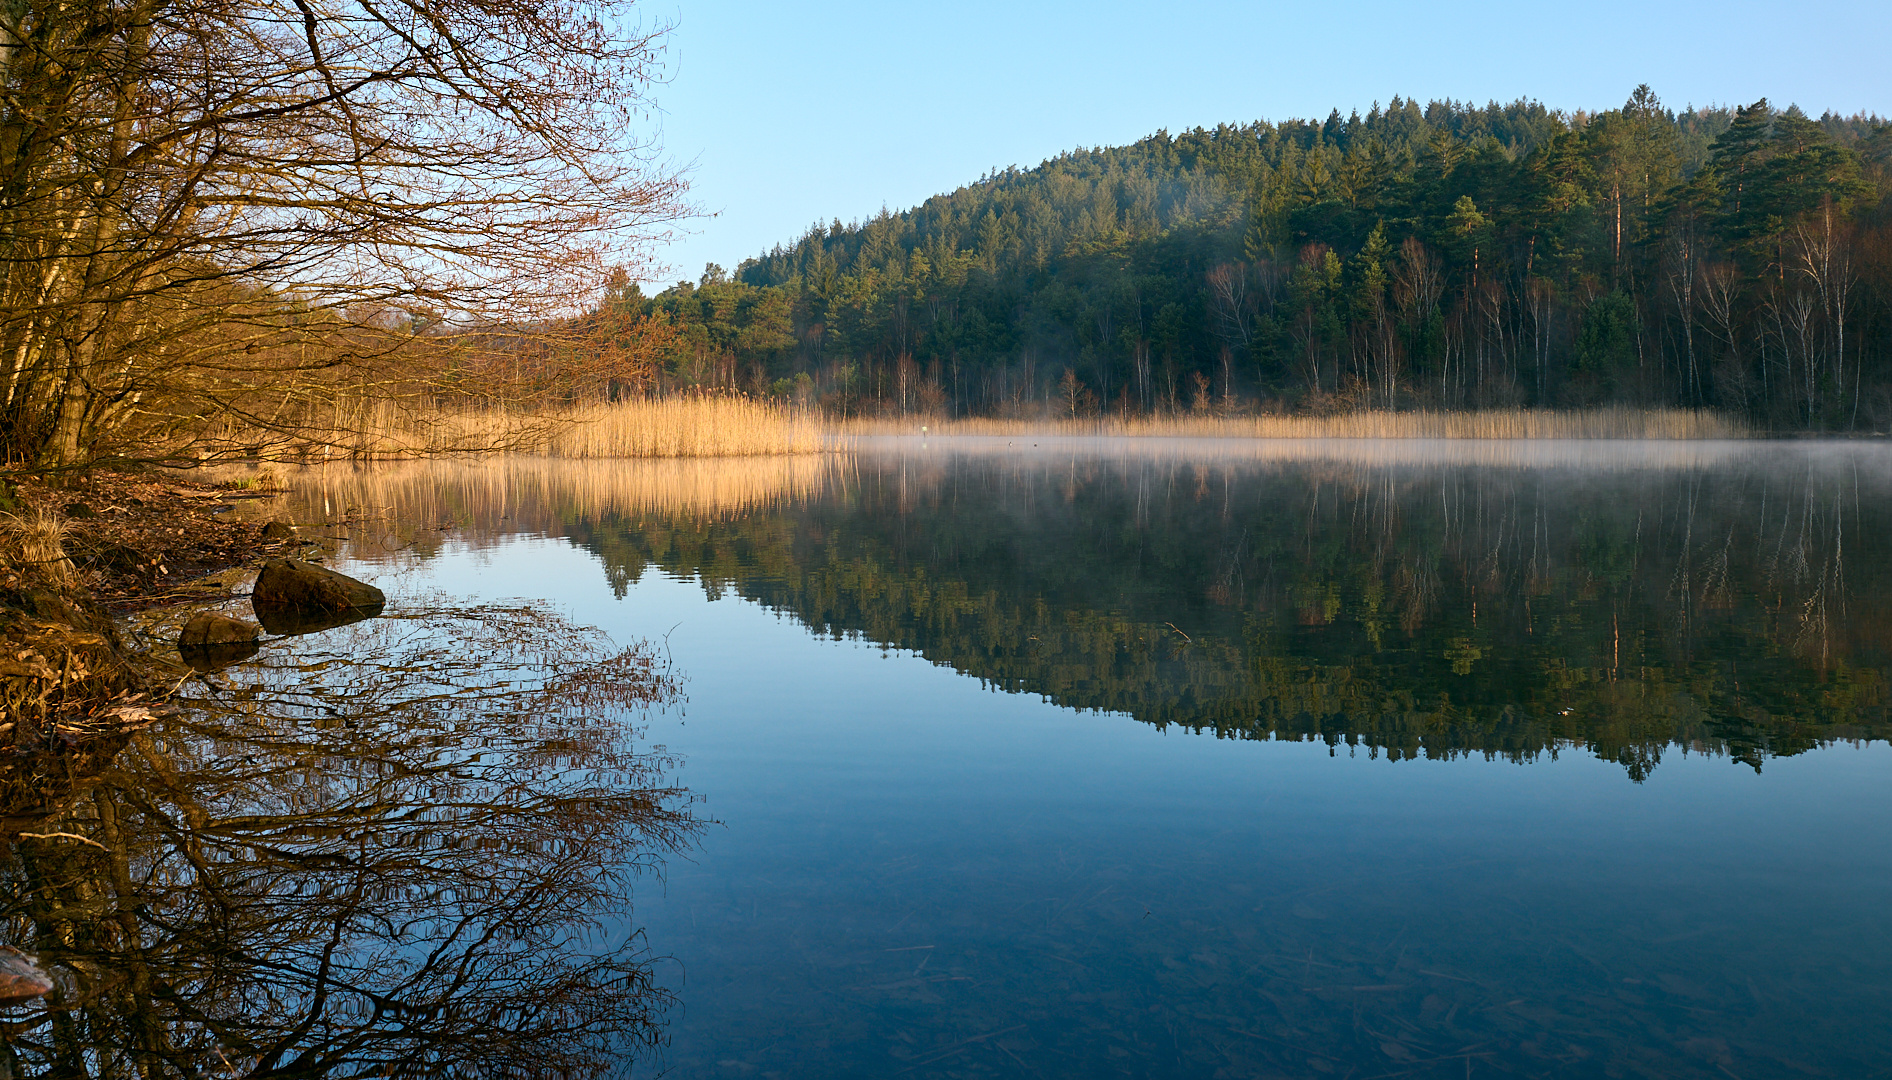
[
  {"x": 73, "y": 559},
  {"x": 136, "y": 540}
]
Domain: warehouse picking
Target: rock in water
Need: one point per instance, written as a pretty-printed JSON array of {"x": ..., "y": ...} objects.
[
  {"x": 20, "y": 978},
  {"x": 292, "y": 583},
  {"x": 208, "y": 628},
  {"x": 280, "y": 530},
  {"x": 211, "y": 642},
  {"x": 209, "y": 658},
  {"x": 294, "y": 597}
]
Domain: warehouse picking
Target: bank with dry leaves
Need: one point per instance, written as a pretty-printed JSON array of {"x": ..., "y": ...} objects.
[{"x": 74, "y": 558}]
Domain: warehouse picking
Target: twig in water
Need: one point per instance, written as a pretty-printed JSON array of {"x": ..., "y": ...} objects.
[
  {"x": 1289, "y": 1045},
  {"x": 960, "y": 1045},
  {"x": 67, "y": 836}
]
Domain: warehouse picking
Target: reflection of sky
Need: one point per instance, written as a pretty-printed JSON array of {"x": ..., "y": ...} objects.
[{"x": 875, "y": 802}]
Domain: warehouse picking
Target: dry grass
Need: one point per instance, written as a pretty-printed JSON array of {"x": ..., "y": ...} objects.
[
  {"x": 684, "y": 426},
  {"x": 37, "y": 540},
  {"x": 1610, "y": 423}
]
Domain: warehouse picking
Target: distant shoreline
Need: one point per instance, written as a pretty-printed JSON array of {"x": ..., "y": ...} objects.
[{"x": 1605, "y": 423}]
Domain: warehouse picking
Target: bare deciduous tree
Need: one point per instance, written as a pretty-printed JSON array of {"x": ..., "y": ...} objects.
[{"x": 201, "y": 199}]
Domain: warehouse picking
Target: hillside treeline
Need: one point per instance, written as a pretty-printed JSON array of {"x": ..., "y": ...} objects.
[{"x": 1419, "y": 256}]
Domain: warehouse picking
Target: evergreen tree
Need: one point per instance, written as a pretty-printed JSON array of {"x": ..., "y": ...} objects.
[{"x": 1436, "y": 255}]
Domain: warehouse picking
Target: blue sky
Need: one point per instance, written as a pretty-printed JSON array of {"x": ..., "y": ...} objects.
[{"x": 788, "y": 114}]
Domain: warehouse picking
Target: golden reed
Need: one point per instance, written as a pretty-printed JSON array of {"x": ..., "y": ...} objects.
[
  {"x": 672, "y": 427},
  {"x": 690, "y": 426}
]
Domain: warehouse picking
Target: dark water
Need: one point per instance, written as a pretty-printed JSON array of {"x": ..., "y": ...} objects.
[{"x": 1097, "y": 760}]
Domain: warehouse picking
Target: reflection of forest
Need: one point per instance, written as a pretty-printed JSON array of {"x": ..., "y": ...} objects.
[
  {"x": 1415, "y": 612},
  {"x": 403, "y": 849}
]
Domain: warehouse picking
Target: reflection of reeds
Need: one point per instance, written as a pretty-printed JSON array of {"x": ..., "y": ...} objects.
[
  {"x": 684, "y": 426},
  {"x": 1609, "y": 423},
  {"x": 518, "y": 492}
]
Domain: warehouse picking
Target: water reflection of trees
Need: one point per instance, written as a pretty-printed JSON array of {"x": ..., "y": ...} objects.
[
  {"x": 1435, "y": 612},
  {"x": 405, "y": 848}
]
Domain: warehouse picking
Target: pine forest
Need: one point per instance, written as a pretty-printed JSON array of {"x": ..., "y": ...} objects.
[{"x": 1442, "y": 256}]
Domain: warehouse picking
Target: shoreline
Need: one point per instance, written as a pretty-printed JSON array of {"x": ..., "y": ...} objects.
[
  {"x": 73, "y": 690},
  {"x": 1611, "y": 422},
  {"x": 139, "y": 540}
]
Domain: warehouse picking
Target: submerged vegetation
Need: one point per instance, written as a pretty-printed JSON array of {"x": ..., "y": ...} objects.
[{"x": 1438, "y": 256}]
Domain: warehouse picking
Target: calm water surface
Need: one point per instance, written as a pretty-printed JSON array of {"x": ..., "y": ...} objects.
[
  {"x": 1177, "y": 760},
  {"x": 1213, "y": 760}
]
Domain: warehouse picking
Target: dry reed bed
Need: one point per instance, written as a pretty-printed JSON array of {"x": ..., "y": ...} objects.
[
  {"x": 676, "y": 427},
  {"x": 1610, "y": 423},
  {"x": 729, "y": 426},
  {"x": 687, "y": 427}
]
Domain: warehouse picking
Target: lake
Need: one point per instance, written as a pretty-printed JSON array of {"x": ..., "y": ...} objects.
[{"x": 975, "y": 757}]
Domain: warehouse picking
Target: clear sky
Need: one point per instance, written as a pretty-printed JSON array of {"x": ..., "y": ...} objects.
[{"x": 787, "y": 114}]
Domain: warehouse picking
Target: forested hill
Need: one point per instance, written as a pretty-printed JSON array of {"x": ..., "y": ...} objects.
[{"x": 1442, "y": 255}]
